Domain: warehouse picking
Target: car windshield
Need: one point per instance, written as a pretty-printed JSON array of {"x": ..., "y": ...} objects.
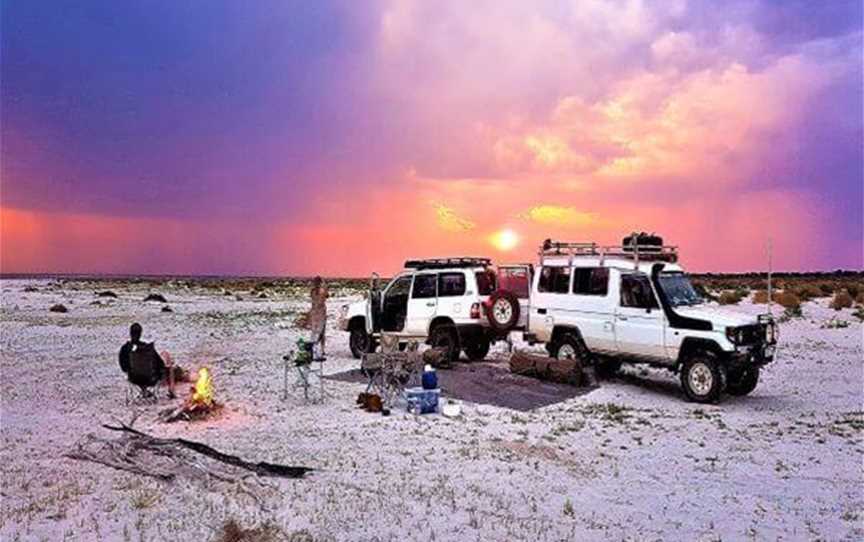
[{"x": 679, "y": 290}]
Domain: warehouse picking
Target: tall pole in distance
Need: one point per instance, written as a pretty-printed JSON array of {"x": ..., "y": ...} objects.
[{"x": 770, "y": 293}]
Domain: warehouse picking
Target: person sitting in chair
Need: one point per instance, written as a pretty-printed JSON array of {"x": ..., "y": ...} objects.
[{"x": 137, "y": 351}]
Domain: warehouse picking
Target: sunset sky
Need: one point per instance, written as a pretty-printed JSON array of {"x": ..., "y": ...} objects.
[{"x": 338, "y": 138}]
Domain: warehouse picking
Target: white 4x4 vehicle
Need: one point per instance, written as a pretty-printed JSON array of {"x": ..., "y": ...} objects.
[
  {"x": 437, "y": 301},
  {"x": 634, "y": 303}
]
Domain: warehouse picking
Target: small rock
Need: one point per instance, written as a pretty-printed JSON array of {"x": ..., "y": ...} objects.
[
  {"x": 96, "y": 303},
  {"x": 31, "y": 289},
  {"x": 238, "y": 298},
  {"x": 156, "y": 297},
  {"x": 59, "y": 307},
  {"x": 166, "y": 308},
  {"x": 107, "y": 293},
  {"x": 262, "y": 295}
]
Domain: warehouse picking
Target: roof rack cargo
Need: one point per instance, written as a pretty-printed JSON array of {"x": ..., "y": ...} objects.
[
  {"x": 631, "y": 251},
  {"x": 441, "y": 263}
]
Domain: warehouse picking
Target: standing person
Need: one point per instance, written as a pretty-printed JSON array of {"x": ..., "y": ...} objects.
[{"x": 318, "y": 314}]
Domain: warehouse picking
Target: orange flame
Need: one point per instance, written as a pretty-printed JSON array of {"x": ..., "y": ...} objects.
[{"x": 203, "y": 391}]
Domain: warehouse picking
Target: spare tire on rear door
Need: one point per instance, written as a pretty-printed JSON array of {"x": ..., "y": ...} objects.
[{"x": 502, "y": 311}]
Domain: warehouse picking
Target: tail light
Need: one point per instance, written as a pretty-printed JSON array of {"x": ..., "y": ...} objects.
[{"x": 475, "y": 310}]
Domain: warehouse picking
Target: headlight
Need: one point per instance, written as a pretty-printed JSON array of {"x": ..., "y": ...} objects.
[
  {"x": 733, "y": 334},
  {"x": 344, "y": 311}
]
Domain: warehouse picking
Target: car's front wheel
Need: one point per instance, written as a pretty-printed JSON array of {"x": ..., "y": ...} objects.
[
  {"x": 477, "y": 350},
  {"x": 703, "y": 378},
  {"x": 360, "y": 342},
  {"x": 743, "y": 382}
]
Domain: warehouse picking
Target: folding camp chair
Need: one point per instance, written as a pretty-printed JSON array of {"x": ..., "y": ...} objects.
[
  {"x": 146, "y": 370},
  {"x": 309, "y": 371}
]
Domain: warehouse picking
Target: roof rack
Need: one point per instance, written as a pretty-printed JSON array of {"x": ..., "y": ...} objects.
[
  {"x": 441, "y": 263},
  {"x": 637, "y": 253}
]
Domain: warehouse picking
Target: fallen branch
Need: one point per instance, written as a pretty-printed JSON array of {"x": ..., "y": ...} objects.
[{"x": 261, "y": 468}]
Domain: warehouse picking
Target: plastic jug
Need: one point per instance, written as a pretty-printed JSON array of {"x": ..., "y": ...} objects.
[{"x": 430, "y": 378}]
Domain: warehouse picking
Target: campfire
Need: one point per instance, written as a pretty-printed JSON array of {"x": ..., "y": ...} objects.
[{"x": 200, "y": 403}]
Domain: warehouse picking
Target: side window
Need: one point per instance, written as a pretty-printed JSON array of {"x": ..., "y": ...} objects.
[
  {"x": 555, "y": 280},
  {"x": 636, "y": 292},
  {"x": 424, "y": 286},
  {"x": 591, "y": 281},
  {"x": 451, "y": 284},
  {"x": 485, "y": 282},
  {"x": 400, "y": 286}
]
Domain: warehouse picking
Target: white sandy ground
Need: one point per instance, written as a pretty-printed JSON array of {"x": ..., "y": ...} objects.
[{"x": 631, "y": 460}]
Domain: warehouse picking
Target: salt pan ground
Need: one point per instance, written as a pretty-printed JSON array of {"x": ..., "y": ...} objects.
[{"x": 629, "y": 460}]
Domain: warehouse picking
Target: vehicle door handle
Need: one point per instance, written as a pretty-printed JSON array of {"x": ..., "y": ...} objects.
[
  {"x": 430, "y": 304},
  {"x": 624, "y": 318},
  {"x": 541, "y": 311}
]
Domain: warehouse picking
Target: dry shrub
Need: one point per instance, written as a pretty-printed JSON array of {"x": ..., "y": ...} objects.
[
  {"x": 809, "y": 291},
  {"x": 860, "y": 298},
  {"x": 842, "y": 300},
  {"x": 729, "y": 297},
  {"x": 232, "y": 532},
  {"x": 787, "y": 300},
  {"x": 760, "y": 297},
  {"x": 827, "y": 288}
]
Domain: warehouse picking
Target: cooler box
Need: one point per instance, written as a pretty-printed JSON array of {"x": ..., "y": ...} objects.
[{"x": 426, "y": 399}]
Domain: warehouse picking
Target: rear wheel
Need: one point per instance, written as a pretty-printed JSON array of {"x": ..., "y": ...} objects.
[
  {"x": 567, "y": 347},
  {"x": 744, "y": 382},
  {"x": 446, "y": 338},
  {"x": 360, "y": 342},
  {"x": 477, "y": 350},
  {"x": 703, "y": 378}
]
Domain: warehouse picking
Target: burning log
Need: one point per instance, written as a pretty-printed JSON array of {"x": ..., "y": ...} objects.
[{"x": 200, "y": 402}]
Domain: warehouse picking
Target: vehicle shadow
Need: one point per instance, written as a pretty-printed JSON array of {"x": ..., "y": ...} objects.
[
  {"x": 654, "y": 382},
  {"x": 669, "y": 384}
]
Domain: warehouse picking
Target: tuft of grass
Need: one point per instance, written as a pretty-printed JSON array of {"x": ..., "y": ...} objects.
[
  {"x": 842, "y": 300},
  {"x": 568, "y": 508},
  {"x": 144, "y": 498},
  {"x": 835, "y": 323}
]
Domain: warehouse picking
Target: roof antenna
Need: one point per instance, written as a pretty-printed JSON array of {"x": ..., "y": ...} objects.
[{"x": 770, "y": 295}]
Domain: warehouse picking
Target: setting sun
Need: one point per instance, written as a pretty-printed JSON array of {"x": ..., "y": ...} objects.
[{"x": 505, "y": 239}]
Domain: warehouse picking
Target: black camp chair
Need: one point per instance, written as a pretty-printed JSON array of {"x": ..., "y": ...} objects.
[{"x": 146, "y": 370}]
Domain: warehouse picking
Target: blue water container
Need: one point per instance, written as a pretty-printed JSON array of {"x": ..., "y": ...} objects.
[{"x": 430, "y": 378}]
